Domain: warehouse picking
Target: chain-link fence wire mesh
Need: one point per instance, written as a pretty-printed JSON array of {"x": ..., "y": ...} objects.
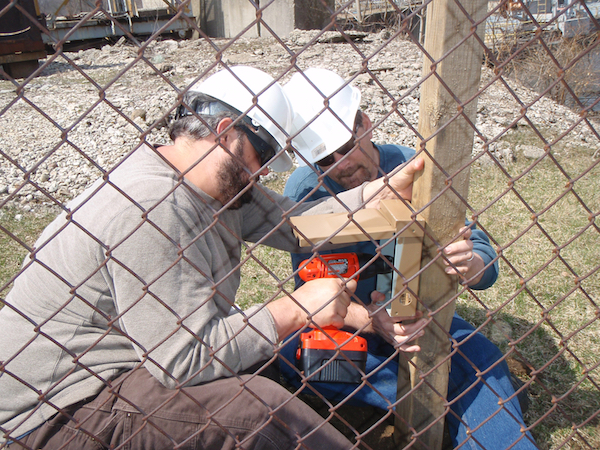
[{"x": 533, "y": 191}]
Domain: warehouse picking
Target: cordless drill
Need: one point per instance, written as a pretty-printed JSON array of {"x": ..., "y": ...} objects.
[
  {"x": 319, "y": 355},
  {"x": 344, "y": 265}
]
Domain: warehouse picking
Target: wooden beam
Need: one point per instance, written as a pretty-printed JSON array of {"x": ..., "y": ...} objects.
[
  {"x": 448, "y": 142},
  {"x": 199, "y": 13},
  {"x": 392, "y": 219},
  {"x": 365, "y": 224}
]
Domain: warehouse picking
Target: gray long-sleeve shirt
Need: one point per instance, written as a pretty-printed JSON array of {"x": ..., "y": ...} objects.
[{"x": 143, "y": 271}]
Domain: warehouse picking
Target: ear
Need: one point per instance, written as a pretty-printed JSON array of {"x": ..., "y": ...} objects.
[
  {"x": 367, "y": 124},
  {"x": 222, "y": 126}
]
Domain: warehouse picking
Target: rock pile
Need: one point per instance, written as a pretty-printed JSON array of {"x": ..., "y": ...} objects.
[{"x": 87, "y": 109}]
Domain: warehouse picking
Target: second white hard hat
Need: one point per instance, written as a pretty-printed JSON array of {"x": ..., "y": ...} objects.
[
  {"x": 324, "y": 108},
  {"x": 238, "y": 88}
]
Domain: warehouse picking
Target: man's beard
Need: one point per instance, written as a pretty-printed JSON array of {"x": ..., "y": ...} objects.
[
  {"x": 234, "y": 177},
  {"x": 352, "y": 176}
]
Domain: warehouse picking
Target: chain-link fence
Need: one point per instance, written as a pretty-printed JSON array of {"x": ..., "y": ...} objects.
[{"x": 151, "y": 312}]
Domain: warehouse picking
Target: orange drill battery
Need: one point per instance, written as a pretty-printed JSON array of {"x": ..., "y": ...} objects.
[{"x": 332, "y": 355}]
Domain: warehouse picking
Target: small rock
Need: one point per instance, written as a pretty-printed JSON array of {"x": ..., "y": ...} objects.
[
  {"x": 166, "y": 67},
  {"x": 501, "y": 331},
  {"x": 485, "y": 160},
  {"x": 138, "y": 112},
  {"x": 505, "y": 153},
  {"x": 532, "y": 152}
]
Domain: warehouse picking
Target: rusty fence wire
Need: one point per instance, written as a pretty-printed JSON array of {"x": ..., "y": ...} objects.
[{"x": 87, "y": 106}]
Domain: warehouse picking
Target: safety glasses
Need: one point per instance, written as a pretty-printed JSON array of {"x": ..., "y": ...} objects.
[
  {"x": 264, "y": 144},
  {"x": 343, "y": 150}
]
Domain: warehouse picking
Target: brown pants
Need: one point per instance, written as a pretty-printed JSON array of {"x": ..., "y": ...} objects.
[{"x": 140, "y": 413}]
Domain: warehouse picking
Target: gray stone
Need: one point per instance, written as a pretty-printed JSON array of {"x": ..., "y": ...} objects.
[{"x": 532, "y": 152}]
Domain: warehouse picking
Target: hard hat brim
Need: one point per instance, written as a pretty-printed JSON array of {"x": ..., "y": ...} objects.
[{"x": 281, "y": 163}]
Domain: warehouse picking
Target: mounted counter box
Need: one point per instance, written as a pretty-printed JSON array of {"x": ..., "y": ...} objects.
[{"x": 392, "y": 218}]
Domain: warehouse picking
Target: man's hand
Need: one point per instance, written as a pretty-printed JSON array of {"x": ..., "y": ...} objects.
[
  {"x": 392, "y": 329},
  {"x": 375, "y": 319},
  {"x": 398, "y": 184},
  {"x": 465, "y": 261},
  {"x": 322, "y": 302}
]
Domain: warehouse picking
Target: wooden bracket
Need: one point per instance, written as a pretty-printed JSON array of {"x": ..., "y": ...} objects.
[{"x": 392, "y": 220}]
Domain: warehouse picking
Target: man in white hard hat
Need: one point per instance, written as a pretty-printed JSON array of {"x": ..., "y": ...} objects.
[
  {"x": 122, "y": 329},
  {"x": 333, "y": 139}
]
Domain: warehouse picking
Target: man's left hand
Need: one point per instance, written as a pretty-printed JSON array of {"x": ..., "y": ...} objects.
[
  {"x": 460, "y": 258},
  {"x": 375, "y": 319}
]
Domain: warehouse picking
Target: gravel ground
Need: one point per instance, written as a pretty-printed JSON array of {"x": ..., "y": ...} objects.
[{"x": 88, "y": 108}]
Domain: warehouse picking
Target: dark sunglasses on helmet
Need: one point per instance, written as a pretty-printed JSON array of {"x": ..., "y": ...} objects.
[
  {"x": 265, "y": 145},
  {"x": 343, "y": 150}
]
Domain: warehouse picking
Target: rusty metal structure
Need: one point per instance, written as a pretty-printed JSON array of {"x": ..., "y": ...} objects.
[
  {"x": 138, "y": 18},
  {"x": 21, "y": 44}
]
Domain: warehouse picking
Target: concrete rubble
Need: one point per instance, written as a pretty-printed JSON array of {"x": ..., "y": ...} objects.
[{"x": 87, "y": 109}]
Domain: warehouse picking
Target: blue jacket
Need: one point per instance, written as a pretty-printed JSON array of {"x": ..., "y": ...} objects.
[{"x": 300, "y": 187}]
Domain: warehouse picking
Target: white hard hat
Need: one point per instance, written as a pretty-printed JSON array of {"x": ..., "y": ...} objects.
[
  {"x": 323, "y": 100},
  {"x": 269, "y": 119}
]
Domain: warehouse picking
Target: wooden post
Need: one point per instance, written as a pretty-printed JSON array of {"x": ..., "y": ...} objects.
[
  {"x": 198, "y": 13},
  {"x": 359, "y": 16},
  {"x": 421, "y": 412}
]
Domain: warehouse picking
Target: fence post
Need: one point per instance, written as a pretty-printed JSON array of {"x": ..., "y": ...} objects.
[
  {"x": 448, "y": 141},
  {"x": 197, "y": 7},
  {"x": 359, "y": 15}
]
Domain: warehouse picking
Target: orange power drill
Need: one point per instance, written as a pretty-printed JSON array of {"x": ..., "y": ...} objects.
[
  {"x": 319, "y": 356},
  {"x": 344, "y": 265}
]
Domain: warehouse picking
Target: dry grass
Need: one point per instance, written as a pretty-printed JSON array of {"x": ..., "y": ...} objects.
[
  {"x": 565, "y": 68},
  {"x": 24, "y": 228},
  {"x": 545, "y": 303}
]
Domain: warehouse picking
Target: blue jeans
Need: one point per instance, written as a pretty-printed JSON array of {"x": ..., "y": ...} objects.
[{"x": 478, "y": 402}]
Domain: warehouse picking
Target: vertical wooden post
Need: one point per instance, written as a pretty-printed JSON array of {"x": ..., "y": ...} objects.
[
  {"x": 359, "y": 14},
  {"x": 198, "y": 13},
  {"x": 422, "y": 411}
]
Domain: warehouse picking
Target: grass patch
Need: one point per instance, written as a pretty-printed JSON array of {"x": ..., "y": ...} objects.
[
  {"x": 545, "y": 302},
  {"x": 266, "y": 270},
  {"x": 265, "y": 273},
  {"x": 18, "y": 232}
]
